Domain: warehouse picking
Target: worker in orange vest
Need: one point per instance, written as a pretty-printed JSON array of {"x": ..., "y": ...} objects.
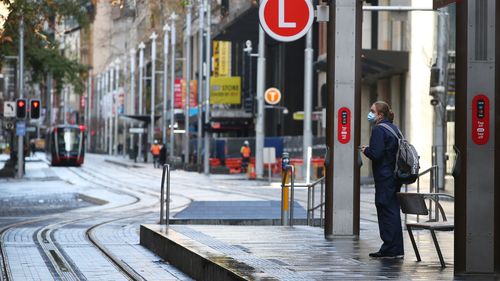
[
  {"x": 155, "y": 150},
  {"x": 246, "y": 152}
]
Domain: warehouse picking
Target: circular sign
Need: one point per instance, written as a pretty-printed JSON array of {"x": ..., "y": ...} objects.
[
  {"x": 286, "y": 20},
  {"x": 272, "y": 96}
]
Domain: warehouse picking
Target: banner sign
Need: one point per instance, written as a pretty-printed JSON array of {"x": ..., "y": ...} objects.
[{"x": 225, "y": 90}]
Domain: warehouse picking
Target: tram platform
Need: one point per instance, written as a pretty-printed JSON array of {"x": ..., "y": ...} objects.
[{"x": 228, "y": 252}]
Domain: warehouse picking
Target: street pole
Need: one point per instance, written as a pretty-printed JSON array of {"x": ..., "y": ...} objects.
[
  {"x": 440, "y": 108},
  {"x": 20, "y": 139},
  {"x": 308, "y": 94},
  {"x": 113, "y": 109},
  {"x": 172, "y": 84},
  {"x": 97, "y": 113},
  {"x": 166, "y": 29},
  {"x": 207, "y": 70},
  {"x": 261, "y": 84},
  {"x": 88, "y": 112},
  {"x": 201, "y": 22},
  {"x": 153, "y": 87},
  {"x": 141, "y": 83},
  {"x": 102, "y": 126},
  {"x": 105, "y": 112},
  {"x": 49, "y": 99},
  {"x": 132, "y": 93},
  {"x": 187, "y": 105},
  {"x": 117, "y": 105}
]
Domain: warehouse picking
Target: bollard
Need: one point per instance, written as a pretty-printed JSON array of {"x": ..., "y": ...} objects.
[{"x": 285, "y": 161}]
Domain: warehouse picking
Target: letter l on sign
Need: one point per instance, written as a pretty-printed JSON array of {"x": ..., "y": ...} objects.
[{"x": 281, "y": 16}]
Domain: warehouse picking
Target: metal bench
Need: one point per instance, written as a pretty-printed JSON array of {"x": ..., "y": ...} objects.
[{"x": 414, "y": 204}]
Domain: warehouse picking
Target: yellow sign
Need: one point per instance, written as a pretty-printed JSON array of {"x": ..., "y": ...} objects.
[
  {"x": 222, "y": 58},
  {"x": 225, "y": 90},
  {"x": 299, "y": 115}
]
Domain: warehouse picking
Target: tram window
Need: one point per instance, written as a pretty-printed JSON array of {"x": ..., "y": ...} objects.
[{"x": 69, "y": 141}]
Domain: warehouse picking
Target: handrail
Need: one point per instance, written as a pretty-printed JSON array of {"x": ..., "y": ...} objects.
[
  {"x": 165, "y": 218},
  {"x": 311, "y": 208}
]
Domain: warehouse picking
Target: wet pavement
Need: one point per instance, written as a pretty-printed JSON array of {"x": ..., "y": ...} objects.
[
  {"x": 302, "y": 253},
  {"x": 83, "y": 223}
]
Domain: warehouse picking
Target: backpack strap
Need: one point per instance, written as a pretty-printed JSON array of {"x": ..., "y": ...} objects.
[{"x": 388, "y": 128}]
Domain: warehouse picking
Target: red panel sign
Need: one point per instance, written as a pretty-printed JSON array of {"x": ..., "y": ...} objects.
[
  {"x": 178, "y": 100},
  {"x": 180, "y": 93},
  {"x": 344, "y": 125},
  {"x": 286, "y": 20},
  {"x": 480, "y": 119}
]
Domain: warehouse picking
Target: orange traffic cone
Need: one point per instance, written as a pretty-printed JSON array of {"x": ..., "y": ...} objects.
[{"x": 251, "y": 172}]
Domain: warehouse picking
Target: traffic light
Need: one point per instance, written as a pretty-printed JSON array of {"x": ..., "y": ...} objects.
[
  {"x": 21, "y": 108},
  {"x": 35, "y": 108}
]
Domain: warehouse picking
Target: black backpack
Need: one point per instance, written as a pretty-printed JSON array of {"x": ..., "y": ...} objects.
[{"x": 407, "y": 159}]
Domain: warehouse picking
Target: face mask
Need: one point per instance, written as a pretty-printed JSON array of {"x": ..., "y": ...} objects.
[{"x": 371, "y": 117}]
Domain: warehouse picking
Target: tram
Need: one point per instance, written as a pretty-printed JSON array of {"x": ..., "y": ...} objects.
[{"x": 66, "y": 145}]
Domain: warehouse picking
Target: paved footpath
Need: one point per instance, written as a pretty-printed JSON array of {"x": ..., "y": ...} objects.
[{"x": 302, "y": 253}]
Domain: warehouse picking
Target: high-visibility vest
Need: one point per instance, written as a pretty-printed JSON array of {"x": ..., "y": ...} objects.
[
  {"x": 155, "y": 149},
  {"x": 245, "y": 151}
]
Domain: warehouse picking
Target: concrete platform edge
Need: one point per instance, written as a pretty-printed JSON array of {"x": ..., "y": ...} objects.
[{"x": 195, "y": 264}]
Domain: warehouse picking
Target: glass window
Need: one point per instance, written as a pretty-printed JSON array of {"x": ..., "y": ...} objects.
[{"x": 69, "y": 140}]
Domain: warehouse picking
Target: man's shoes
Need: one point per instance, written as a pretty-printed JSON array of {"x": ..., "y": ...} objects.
[{"x": 380, "y": 255}]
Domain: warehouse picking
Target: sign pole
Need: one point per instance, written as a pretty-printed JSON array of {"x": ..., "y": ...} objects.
[
  {"x": 208, "y": 68},
  {"x": 20, "y": 139},
  {"x": 261, "y": 85},
  {"x": 201, "y": 22},
  {"x": 172, "y": 83},
  {"x": 308, "y": 94},
  {"x": 187, "y": 104}
]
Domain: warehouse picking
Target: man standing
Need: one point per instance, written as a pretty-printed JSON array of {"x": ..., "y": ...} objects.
[
  {"x": 155, "y": 150},
  {"x": 245, "y": 156}
]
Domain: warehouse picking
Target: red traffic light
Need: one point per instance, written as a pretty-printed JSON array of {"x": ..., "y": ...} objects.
[
  {"x": 35, "y": 108},
  {"x": 21, "y": 109}
]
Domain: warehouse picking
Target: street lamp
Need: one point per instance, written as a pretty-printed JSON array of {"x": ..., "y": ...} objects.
[
  {"x": 117, "y": 104},
  {"x": 187, "y": 54},
  {"x": 153, "y": 86},
  {"x": 132, "y": 93},
  {"x": 173, "y": 17},
  {"x": 141, "y": 83},
  {"x": 166, "y": 29}
]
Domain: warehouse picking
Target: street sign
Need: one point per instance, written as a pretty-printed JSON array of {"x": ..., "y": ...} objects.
[
  {"x": 9, "y": 109},
  {"x": 286, "y": 20},
  {"x": 9, "y": 126},
  {"x": 20, "y": 129},
  {"x": 442, "y": 3},
  {"x": 31, "y": 129},
  {"x": 136, "y": 130},
  {"x": 272, "y": 96},
  {"x": 269, "y": 155},
  {"x": 299, "y": 115}
]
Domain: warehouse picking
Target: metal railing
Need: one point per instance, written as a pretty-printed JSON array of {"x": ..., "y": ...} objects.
[
  {"x": 165, "y": 202},
  {"x": 287, "y": 208},
  {"x": 311, "y": 207}
]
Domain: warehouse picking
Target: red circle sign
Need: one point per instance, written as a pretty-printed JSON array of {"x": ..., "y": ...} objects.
[{"x": 286, "y": 20}]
